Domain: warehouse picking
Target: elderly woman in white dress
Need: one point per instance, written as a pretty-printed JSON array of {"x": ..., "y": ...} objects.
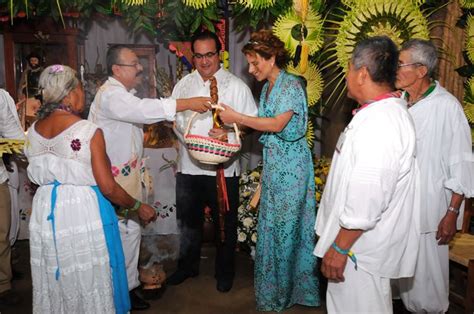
[{"x": 77, "y": 261}]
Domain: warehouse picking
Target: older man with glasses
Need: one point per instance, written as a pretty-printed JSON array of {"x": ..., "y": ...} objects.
[
  {"x": 121, "y": 115},
  {"x": 444, "y": 155},
  {"x": 196, "y": 182}
]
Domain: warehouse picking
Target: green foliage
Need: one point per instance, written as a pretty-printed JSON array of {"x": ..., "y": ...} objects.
[
  {"x": 180, "y": 21},
  {"x": 251, "y": 19}
]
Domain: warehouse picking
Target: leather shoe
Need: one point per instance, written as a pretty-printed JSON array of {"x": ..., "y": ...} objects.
[
  {"x": 224, "y": 285},
  {"x": 179, "y": 276},
  {"x": 9, "y": 298},
  {"x": 137, "y": 303}
]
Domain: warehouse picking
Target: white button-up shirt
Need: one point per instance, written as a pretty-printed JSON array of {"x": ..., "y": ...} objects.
[
  {"x": 121, "y": 116},
  {"x": 373, "y": 185},
  {"x": 10, "y": 126},
  {"x": 232, "y": 91}
]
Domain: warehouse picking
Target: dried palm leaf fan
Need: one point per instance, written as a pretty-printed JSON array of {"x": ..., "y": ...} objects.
[{"x": 466, "y": 4}]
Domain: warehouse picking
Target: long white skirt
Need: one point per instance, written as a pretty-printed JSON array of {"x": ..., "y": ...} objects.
[{"x": 84, "y": 284}]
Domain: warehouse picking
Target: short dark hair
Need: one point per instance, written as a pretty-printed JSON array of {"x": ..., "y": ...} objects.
[
  {"x": 113, "y": 56},
  {"x": 206, "y": 35},
  {"x": 379, "y": 55}
]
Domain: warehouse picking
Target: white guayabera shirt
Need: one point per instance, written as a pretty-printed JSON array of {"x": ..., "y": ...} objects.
[
  {"x": 233, "y": 92},
  {"x": 121, "y": 116}
]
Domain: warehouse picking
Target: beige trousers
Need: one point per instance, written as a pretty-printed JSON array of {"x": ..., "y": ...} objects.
[{"x": 5, "y": 217}]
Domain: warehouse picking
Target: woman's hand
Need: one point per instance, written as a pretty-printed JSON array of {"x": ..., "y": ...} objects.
[
  {"x": 229, "y": 115},
  {"x": 147, "y": 214}
]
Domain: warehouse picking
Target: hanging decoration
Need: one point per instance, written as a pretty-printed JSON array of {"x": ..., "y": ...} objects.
[
  {"x": 399, "y": 20},
  {"x": 293, "y": 30},
  {"x": 314, "y": 81}
]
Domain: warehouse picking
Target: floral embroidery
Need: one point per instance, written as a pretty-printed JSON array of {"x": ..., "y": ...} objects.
[
  {"x": 76, "y": 145},
  {"x": 115, "y": 171},
  {"x": 134, "y": 163},
  {"x": 126, "y": 171}
]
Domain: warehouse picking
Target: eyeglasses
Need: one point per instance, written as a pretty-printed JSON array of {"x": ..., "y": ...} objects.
[
  {"x": 401, "y": 65},
  {"x": 135, "y": 65},
  {"x": 206, "y": 55}
]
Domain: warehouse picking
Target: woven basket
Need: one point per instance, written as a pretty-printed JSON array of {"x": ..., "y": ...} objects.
[{"x": 209, "y": 150}]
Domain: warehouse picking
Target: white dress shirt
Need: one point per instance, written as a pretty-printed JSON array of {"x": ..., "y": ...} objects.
[
  {"x": 444, "y": 154},
  {"x": 10, "y": 126},
  {"x": 373, "y": 186},
  {"x": 121, "y": 116},
  {"x": 233, "y": 92}
]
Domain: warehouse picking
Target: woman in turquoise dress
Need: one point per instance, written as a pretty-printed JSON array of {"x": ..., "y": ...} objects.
[{"x": 285, "y": 267}]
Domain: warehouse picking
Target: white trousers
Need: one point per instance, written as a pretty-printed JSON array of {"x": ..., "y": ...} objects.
[
  {"x": 360, "y": 292},
  {"x": 131, "y": 234},
  {"x": 428, "y": 290}
]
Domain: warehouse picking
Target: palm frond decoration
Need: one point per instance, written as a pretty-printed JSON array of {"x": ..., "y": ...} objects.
[
  {"x": 292, "y": 30},
  {"x": 314, "y": 81},
  {"x": 310, "y": 137},
  {"x": 350, "y": 3},
  {"x": 257, "y": 4},
  {"x": 470, "y": 37},
  {"x": 197, "y": 4},
  {"x": 466, "y": 4},
  {"x": 469, "y": 100},
  {"x": 134, "y": 2},
  {"x": 399, "y": 20},
  {"x": 10, "y": 146},
  {"x": 301, "y": 8}
]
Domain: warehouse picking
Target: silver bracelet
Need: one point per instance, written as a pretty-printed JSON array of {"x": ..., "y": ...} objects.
[{"x": 454, "y": 210}]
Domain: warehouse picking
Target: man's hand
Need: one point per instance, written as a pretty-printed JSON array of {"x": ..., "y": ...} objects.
[
  {"x": 198, "y": 104},
  {"x": 147, "y": 214},
  {"x": 218, "y": 134},
  {"x": 446, "y": 228},
  {"x": 333, "y": 265}
]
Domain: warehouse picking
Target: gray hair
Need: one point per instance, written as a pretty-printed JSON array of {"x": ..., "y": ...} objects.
[
  {"x": 55, "y": 83},
  {"x": 423, "y": 52},
  {"x": 379, "y": 55}
]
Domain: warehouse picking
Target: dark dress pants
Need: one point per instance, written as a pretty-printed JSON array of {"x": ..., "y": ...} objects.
[{"x": 193, "y": 193}]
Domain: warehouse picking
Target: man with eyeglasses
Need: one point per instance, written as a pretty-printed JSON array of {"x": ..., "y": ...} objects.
[
  {"x": 121, "y": 115},
  {"x": 196, "y": 182},
  {"x": 444, "y": 155}
]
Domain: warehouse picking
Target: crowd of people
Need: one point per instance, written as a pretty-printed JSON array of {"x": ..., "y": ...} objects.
[{"x": 400, "y": 172}]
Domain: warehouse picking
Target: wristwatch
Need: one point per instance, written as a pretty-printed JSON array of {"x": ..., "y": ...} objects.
[{"x": 454, "y": 210}]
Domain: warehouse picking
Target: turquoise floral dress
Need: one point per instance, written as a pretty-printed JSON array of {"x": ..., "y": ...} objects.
[{"x": 284, "y": 262}]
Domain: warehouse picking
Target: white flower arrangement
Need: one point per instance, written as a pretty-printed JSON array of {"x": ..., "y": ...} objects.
[{"x": 247, "y": 216}]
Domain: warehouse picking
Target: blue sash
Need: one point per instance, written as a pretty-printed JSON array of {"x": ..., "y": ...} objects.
[{"x": 114, "y": 247}]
